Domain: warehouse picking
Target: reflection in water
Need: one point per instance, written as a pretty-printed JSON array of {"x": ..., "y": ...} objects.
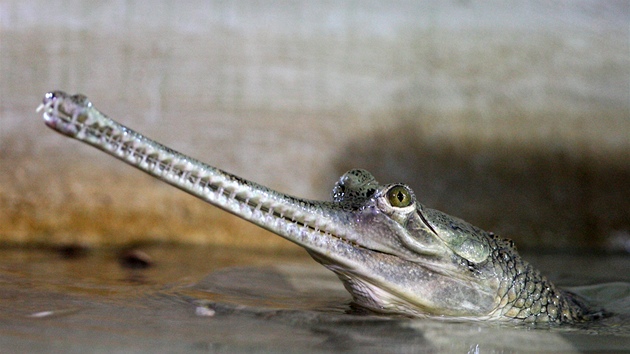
[
  {"x": 313, "y": 298},
  {"x": 249, "y": 301}
]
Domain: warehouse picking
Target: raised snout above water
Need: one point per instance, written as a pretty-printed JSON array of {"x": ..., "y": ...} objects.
[{"x": 393, "y": 254}]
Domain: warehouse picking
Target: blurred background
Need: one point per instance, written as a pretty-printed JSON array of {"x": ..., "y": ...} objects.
[{"x": 512, "y": 115}]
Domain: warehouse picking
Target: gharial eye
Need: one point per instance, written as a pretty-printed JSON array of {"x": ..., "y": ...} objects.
[{"x": 399, "y": 197}]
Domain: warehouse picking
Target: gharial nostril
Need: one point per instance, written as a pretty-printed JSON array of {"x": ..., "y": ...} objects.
[
  {"x": 50, "y": 96},
  {"x": 81, "y": 99}
]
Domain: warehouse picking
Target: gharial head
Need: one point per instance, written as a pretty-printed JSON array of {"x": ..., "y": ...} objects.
[{"x": 405, "y": 258}]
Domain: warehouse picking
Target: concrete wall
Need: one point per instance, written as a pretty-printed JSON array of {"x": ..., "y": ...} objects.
[{"x": 512, "y": 115}]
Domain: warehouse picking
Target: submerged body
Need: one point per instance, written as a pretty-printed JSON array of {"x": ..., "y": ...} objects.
[{"x": 392, "y": 254}]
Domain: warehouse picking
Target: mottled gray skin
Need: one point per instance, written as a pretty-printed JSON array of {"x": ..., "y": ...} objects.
[{"x": 392, "y": 254}]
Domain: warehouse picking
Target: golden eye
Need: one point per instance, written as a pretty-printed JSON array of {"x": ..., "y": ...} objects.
[{"x": 399, "y": 197}]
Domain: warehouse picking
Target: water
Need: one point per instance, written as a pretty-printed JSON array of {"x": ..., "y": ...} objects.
[{"x": 189, "y": 299}]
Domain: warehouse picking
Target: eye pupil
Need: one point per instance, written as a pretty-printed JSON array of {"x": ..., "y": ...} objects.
[{"x": 399, "y": 197}]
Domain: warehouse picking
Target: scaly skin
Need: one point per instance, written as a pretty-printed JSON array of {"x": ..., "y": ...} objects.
[{"x": 393, "y": 254}]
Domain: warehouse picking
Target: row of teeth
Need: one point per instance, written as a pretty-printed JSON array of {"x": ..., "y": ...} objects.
[
  {"x": 182, "y": 169},
  {"x": 155, "y": 158}
]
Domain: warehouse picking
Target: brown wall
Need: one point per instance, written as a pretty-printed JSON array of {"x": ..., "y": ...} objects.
[{"x": 515, "y": 117}]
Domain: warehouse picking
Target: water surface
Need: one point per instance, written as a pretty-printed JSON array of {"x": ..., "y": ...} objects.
[{"x": 234, "y": 300}]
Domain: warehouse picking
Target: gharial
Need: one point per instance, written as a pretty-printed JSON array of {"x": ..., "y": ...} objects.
[{"x": 393, "y": 254}]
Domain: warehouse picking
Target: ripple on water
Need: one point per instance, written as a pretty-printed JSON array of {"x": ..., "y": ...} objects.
[{"x": 247, "y": 301}]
